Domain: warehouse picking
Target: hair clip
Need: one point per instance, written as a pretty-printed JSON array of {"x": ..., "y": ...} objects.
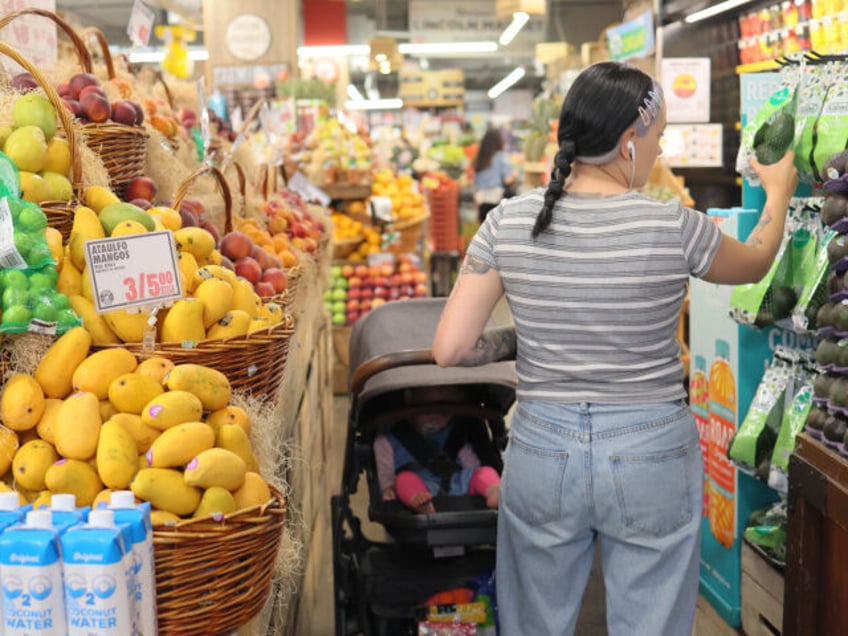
[{"x": 649, "y": 110}]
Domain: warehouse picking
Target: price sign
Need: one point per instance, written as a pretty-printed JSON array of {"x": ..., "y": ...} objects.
[
  {"x": 133, "y": 271},
  {"x": 141, "y": 22}
]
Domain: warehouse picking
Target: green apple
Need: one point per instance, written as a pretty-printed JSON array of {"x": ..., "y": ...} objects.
[
  {"x": 14, "y": 278},
  {"x": 45, "y": 312},
  {"x": 17, "y": 315},
  {"x": 15, "y": 297}
]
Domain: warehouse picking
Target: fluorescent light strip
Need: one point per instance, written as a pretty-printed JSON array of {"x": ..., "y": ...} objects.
[
  {"x": 354, "y": 93},
  {"x": 709, "y": 12},
  {"x": 333, "y": 51},
  {"x": 374, "y": 104},
  {"x": 516, "y": 74},
  {"x": 413, "y": 48},
  {"x": 519, "y": 19},
  {"x": 155, "y": 57}
]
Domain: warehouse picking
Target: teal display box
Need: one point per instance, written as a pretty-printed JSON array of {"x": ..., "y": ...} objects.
[{"x": 731, "y": 359}]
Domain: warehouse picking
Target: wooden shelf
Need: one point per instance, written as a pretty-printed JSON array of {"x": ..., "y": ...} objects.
[{"x": 341, "y": 191}]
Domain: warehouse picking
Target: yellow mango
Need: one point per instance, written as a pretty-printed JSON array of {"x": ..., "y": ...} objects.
[
  {"x": 229, "y": 415},
  {"x": 41, "y": 499},
  {"x": 272, "y": 312},
  {"x": 215, "y": 258},
  {"x": 172, "y": 408},
  {"x": 77, "y": 426},
  {"x": 129, "y": 393},
  {"x": 215, "y": 467},
  {"x": 163, "y": 518},
  {"x": 103, "y": 499},
  {"x": 215, "y": 501},
  {"x": 155, "y": 367},
  {"x": 129, "y": 327},
  {"x": 69, "y": 281},
  {"x": 54, "y": 242},
  {"x": 208, "y": 272},
  {"x": 9, "y": 444},
  {"x": 97, "y": 371},
  {"x": 107, "y": 410},
  {"x": 232, "y": 437},
  {"x": 85, "y": 285},
  {"x": 75, "y": 477},
  {"x": 94, "y": 323},
  {"x": 217, "y": 298},
  {"x": 47, "y": 424},
  {"x": 98, "y": 197},
  {"x": 166, "y": 490},
  {"x": 117, "y": 458},
  {"x": 56, "y": 368},
  {"x": 4, "y": 487},
  {"x": 210, "y": 385},
  {"x": 253, "y": 492},
  {"x": 86, "y": 227},
  {"x": 127, "y": 228},
  {"x": 195, "y": 240},
  {"x": 28, "y": 435},
  {"x": 233, "y": 323},
  {"x": 31, "y": 463},
  {"x": 257, "y": 324},
  {"x": 188, "y": 267},
  {"x": 245, "y": 298},
  {"x": 141, "y": 432},
  {"x": 169, "y": 216},
  {"x": 179, "y": 444},
  {"x": 22, "y": 402},
  {"x": 184, "y": 322}
]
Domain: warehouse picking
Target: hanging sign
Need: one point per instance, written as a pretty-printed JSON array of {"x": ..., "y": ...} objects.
[
  {"x": 634, "y": 38},
  {"x": 141, "y": 23},
  {"x": 686, "y": 88},
  {"x": 133, "y": 271}
]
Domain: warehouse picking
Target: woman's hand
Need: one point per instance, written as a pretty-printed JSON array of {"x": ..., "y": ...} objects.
[
  {"x": 779, "y": 179},
  {"x": 389, "y": 494}
]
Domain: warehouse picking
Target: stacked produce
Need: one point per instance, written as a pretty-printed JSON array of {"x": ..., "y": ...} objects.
[
  {"x": 88, "y": 423},
  {"x": 333, "y": 154},
  {"x": 407, "y": 201}
]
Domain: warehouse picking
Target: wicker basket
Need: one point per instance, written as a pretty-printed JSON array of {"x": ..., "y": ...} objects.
[
  {"x": 60, "y": 214},
  {"x": 344, "y": 248},
  {"x": 285, "y": 300},
  {"x": 213, "y": 577},
  {"x": 122, "y": 149},
  {"x": 411, "y": 231}
]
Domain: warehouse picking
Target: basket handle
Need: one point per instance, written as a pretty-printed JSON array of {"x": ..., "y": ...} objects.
[
  {"x": 104, "y": 48},
  {"x": 59, "y": 107},
  {"x": 168, "y": 94},
  {"x": 242, "y": 183},
  {"x": 182, "y": 191},
  {"x": 82, "y": 51}
]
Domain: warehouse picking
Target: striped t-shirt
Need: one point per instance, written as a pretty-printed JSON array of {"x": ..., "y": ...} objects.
[{"x": 597, "y": 295}]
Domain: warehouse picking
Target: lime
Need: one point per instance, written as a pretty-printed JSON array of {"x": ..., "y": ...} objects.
[
  {"x": 32, "y": 219},
  {"x": 24, "y": 243},
  {"x": 50, "y": 270},
  {"x": 67, "y": 317},
  {"x": 14, "y": 278},
  {"x": 17, "y": 315},
  {"x": 39, "y": 254},
  {"x": 15, "y": 207},
  {"x": 15, "y": 297},
  {"x": 60, "y": 301},
  {"x": 45, "y": 312},
  {"x": 40, "y": 280}
]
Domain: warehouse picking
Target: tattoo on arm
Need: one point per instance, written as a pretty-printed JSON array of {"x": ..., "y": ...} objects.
[
  {"x": 473, "y": 265},
  {"x": 754, "y": 238},
  {"x": 493, "y": 345}
]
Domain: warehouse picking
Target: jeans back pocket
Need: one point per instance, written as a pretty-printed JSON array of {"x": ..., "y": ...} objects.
[{"x": 533, "y": 482}]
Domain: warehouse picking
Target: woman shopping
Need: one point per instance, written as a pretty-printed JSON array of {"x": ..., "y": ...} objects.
[
  {"x": 602, "y": 444},
  {"x": 492, "y": 173}
]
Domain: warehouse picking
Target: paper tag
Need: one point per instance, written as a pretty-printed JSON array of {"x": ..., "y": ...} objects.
[
  {"x": 381, "y": 208},
  {"x": 141, "y": 22},
  {"x": 133, "y": 271},
  {"x": 308, "y": 190},
  {"x": 10, "y": 258}
]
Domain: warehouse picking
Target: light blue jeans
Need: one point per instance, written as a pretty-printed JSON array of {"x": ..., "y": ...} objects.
[{"x": 628, "y": 475}]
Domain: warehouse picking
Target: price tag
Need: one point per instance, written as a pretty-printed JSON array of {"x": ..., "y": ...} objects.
[
  {"x": 308, "y": 190},
  {"x": 133, "y": 271},
  {"x": 141, "y": 23}
]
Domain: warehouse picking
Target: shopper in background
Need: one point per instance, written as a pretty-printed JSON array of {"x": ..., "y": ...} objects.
[
  {"x": 492, "y": 173},
  {"x": 602, "y": 445}
]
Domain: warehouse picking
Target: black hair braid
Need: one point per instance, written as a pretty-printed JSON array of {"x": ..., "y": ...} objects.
[{"x": 562, "y": 168}]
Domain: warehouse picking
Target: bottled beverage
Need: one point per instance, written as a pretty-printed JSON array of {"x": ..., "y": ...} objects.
[
  {"x": 64, "y": 512},
  {"x": 721, "y": 484},
  {"x": 699, "y": 403}
]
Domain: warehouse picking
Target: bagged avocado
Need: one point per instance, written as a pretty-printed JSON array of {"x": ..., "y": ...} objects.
[
  {"x": 794, "y": 419},
  {"x": 768, "y": 530},
  {"x": 814, "y": 291},
  {"x": 753, "y": 443},
  {"x": 812, "y": 92},
  {"x": 831, "y": 128},
  {"x": 772, "y": 130}
]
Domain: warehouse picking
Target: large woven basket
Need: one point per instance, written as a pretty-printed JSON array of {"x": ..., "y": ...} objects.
[
  {"x": 60, "y": 214},
  {"x": 214, "y": 576},
  {"x": 410, "y": 232},
  {"x": 121, "y": 148}
]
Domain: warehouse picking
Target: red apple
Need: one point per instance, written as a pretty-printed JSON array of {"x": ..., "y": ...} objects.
[
  {"x": 347, "y": 271},
  {"x": 97, "y": 90},
  {"x": 80, "y": 81},
  {"x": 63, "y": 89},
  {"x": 387, "y": 270},
  {"x": 225, "y": 262},
  {"x": 260, "y": 256},
  {"x": 264, "y": 289},
  {"x": 352, "y": 305},
  {"x": 141, "y": 188},
  {"x": 73, "y": 106},
  {"x": 277, "y": 278},
  {"x": 24, "y": 82},
  {"x": 144, "y": 204},
  {"x": 361, "y": 271},
  {"x": 354, "y": 281},
  {"x": 209, "y": 227},
  {"x": 236, "y": 245},
  {"x": 421, "y": 290},
  {"x": 394, "y": 280},
  {"x": 123, "y": 113},
  {"x": 394, "y": 294},
  {"x": 188, "y": 218},
  {"x": 381, "y": 292},
  {"x": 95, "y": 107},
  {"x": 407, "y": 290},
  {"x": 139, "y": 111},
  {"x": 379, "y": 281},
  {"x": 367, "y": 294},
  {"x": 365, "y": 305},
  {"x": 354, "y": 293},
  {"x": 248, "y": 268}
]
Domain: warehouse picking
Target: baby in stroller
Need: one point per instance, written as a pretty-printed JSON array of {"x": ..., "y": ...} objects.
[{"x": 432, "y": 454}]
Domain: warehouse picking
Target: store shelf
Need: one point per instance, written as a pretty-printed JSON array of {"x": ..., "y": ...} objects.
[
  {"x": 757, "y": 67},
  {"x": 343, "y": 192}
]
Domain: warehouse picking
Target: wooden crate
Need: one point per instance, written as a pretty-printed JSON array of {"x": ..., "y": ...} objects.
[{"x": 762, "y": 595}]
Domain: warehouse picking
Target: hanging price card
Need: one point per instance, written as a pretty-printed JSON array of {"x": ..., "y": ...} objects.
[{"x": 133, "y": 271}]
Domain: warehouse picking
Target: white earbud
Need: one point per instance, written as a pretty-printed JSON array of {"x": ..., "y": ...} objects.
[{"x": 632, "y": 148}]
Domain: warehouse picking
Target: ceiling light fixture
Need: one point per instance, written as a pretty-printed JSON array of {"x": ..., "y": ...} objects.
[
  {"x": 431, "y": 48},
  {"x": 354, "y": 93},
  {"x": 393, "y": 103},
  {"x": 709, "y": 12},
  {"x": 197, "y": 54},
  {"x": 507, "y": 82},
  {"x": 519, "y": 19},
  {"x": 337, "y": 50}
]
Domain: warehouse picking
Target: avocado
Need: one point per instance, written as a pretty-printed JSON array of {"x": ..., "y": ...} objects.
[
  {"x": 822, "y": 384},
  {"x": 840, "y": 317},
  {"x": 816, "y": 418},
  {"x": 825, "y": 315},
  {"x": 837, "y": 249},
  {"x": 783, "y": 300},
  {"x": 834, "y": 428},
  {"x": 834, "y": 208},
  {"x": 836, "y": 166},
  {"x": 114, "y": 213},
  {"x": 838, "y": 392},
  {"x": 835, "y": 284},
  {"x": 827, "y": 351},
  {"x": 776, "y": 139}
]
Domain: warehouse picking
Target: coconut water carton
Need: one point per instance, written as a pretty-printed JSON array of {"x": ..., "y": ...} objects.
[
  {"x": 64, "y": 511},
  {"x": 31, "y": 577},
  {"x": 97, "y": 590},
  {"x": 138, "y": 518},
  {"x": 10, "y": 511}
]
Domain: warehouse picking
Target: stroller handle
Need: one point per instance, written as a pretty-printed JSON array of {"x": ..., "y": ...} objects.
[{"x": 375, "y": 365}]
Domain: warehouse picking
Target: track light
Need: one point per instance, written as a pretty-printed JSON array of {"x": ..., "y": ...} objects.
[
  {"x": 515, "y": 75},
  {"x": 519, "y": 19},
  {"x": 709, "y": 12},
  {"x": 374, "y": 104}
]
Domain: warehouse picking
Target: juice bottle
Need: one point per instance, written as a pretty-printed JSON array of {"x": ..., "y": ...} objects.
[
  {"x": 721, "y": 488},
  {"x": 699, "y": 403}
]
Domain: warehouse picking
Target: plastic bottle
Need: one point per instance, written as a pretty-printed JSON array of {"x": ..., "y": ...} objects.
[
  {"x": 122, "y": 502},
  {"x": 97, "y": 592},
  {"x": 31, "y": 575},
  {"x": 64, "y": 511},
  {"x": 699, "y": 403},
  {"x": 721, "y": 488}
]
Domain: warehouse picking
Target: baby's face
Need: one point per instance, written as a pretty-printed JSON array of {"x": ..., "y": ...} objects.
[{"x": 430, "y": 423}]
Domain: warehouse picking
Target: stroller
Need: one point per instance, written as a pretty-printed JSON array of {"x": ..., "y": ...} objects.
[{"x": 380, "y": 585}]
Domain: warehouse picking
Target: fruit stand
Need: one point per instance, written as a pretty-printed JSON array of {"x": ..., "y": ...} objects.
[{"x": 163, "y": 333}]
